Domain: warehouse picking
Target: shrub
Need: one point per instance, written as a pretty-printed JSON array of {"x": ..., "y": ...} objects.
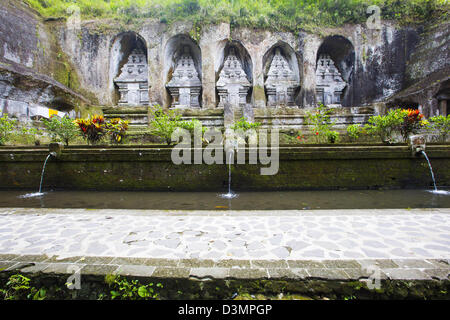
[
  {"x": 384, "y": 126},
  {"x": 117, "y": 129},
  {"x": 61, "y": 129},
  {"x": 164, "y": 123},
  {"x": 191, "y": 125},
  {"x": 411, "y": 122},
  {"x": 441, "y": 124},
  {"x": 244, "y": 125},
  {"x": 93, "y": 129},
  {"x": 353, "y": 131},
  {"x": 6, "y": 127},
  {"x": 403, "y": 121},
  {"x": 28, "y": 135},
  {"x": 320, "y": 121},
  {"x": 332, "y": 136}
]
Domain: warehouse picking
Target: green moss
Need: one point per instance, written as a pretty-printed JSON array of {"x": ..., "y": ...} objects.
[{"x": 258, "y": 93}]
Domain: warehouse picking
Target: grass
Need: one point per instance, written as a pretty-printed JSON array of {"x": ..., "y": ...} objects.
[{"x": 282, "y": 15}]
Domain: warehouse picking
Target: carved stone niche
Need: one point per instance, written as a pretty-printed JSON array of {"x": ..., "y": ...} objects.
[
  {"x": 281, "y": 83},
  {"x": 133, "y": 80},
  {"x": 233, "y": 84},
  {"x": 329, "y": 83},
  {"x": 185, "y": 85}
]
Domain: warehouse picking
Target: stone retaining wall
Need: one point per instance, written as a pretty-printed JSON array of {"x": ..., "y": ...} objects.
[{"x": 151, "y": 168}]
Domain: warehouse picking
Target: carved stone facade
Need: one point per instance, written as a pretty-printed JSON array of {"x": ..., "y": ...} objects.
[
  {"x": 281, "y": 83},
  {"x": 185, "y": 85},
  {"x": 133, "y": 80},
  {"x": 233, "y": 84},
  {"x": 329, "y": 83}
]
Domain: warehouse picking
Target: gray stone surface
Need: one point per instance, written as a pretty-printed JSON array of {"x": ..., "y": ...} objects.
[{"x": 246, "y": 250}]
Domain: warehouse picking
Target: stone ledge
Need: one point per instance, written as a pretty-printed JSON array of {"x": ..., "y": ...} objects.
[{"x": 197, "y": 269}]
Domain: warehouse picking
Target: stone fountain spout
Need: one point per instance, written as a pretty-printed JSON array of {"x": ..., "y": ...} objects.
[
  {"x": 417, "y": 144},
  {"x": 55, "y": 149}
]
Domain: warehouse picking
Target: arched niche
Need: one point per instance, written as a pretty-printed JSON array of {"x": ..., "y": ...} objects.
[
  {"x": 234, "y": 75},
  {"x": 443, "y": 98},
  {"x": 128, "y": 70},
  {"x": 281, "y": 75},
  {"x": 334, "y": 71},
  {"x": 182, "y": 72}
]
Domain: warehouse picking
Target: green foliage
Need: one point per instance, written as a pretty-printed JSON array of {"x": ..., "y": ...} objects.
[
  {"x": 61, "y": 129},
  {"x": 164, "y": 123},
  {"x": 192, "y": 125},
  {"x": 125, "y": 290},
  {"x": 441, "y": 124},
  {"x": 26, "y": 135},
  {"x": 116, "y": 129},
  {"x": 6, "y": 128},
  {"x": 353, "y": 131},
  {"x": 332, "y": 136},
  {"x": 320, "y": 121},
  {"x": 93, "y": 129},
  {"x": 18, "y": 288},
  {"x": 384, "y": 126},
  {"x": 244, "y": 125},
  {"x": 293, "y": 138},
  {"x": 401, "y": 121},
  {"x": 288, "y": 15}
]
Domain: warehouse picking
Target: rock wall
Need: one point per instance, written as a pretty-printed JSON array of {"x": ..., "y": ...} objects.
[
  {"x": 427, "y": 77},
  {"x": 152, "y": 169},
  {"x": 34, "y": 72},
  {"x": 375, "y": 64}
]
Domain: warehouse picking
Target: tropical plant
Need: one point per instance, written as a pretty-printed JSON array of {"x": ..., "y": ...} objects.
[
  {"x": 385, "y": 126},
  {"x": 93, "y": 129},
  {"x": 332, "y": 136},
  {"x": 441, "y": 124},
  {"x": 61, "y": 129},
  {"x": 164, "y": 123},
  {"x": 320, "y": 121},
  {"x": 353, "y": 131},
  {"x": 411, "y": 122},
  {"x": 6, "y": 128},
  {"x": 402, "y": 121},
  {"x": 116, "y": 129}
]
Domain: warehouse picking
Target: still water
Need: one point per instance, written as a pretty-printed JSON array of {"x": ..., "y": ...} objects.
[{"x": 283, "y": 200}]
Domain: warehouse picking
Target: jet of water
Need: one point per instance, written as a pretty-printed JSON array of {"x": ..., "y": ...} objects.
[
  {"x": 435, "y": 191},
  {"x": 40, "y": 193},
  {"x": 431, "y": 170},
  {"x": 230, "y": 194}
]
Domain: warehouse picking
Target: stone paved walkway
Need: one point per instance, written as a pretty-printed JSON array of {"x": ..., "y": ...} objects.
[{"x": 222, "y": 235}]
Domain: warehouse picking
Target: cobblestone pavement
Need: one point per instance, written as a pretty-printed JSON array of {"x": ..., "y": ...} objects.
[{"x": 268, "y": 235}]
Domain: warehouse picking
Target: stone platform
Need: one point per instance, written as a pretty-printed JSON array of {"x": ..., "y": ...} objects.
[
  {"x": 316, "y": 245},
  {"x": 214, "y": 236}
]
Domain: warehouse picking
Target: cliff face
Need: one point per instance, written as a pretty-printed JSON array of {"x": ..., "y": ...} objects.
[
  {"x": 377, "y": 65},
  {"x": 33, "y": 70},
  {"x": 427, "y": 76}
]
